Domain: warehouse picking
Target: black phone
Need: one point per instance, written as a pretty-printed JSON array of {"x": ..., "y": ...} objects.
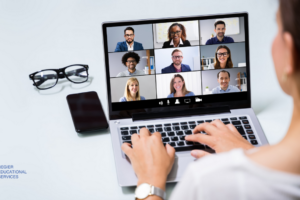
[{"x": 87, "y": 112}]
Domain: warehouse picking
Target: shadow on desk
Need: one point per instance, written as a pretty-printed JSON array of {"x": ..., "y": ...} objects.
[
  {"x": 61, "y": 84},
  {"x": 93, "y": 133}
]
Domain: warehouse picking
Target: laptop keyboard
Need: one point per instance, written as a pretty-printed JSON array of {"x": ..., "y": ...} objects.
[{"x": 175, "y": 132}]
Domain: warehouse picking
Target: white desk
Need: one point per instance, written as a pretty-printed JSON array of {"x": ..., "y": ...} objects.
[{"x": 37, "y": 133}]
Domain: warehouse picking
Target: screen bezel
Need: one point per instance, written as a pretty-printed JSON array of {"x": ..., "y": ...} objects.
[{"x": 123, "y": 114}]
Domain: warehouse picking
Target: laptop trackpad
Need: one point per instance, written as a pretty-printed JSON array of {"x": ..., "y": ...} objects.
[{"x": 179, "y": 169}]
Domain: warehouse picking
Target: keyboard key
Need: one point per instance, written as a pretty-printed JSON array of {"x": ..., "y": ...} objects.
[
  {"x": 127, "y": 142},
  {"x": 158, "y": 125},
  {"x": 245, "y": 137},
  {"x": 183, "y": 123},
  {"x": 252, "y": 137},
  {"x": 176, "y": 128},
  {"x": 166, "y": 139},
  {"x": 225, "y": 119},
  {"x": 175, "y": 124},
  {"x": 134, "y": 127},
  {"x": 150, "y": 126},
  {"x": 133, "y": 132},
  {"x": 192, "y": 126},
  {"x": 167, "y": 124},
  {"x": 163, "y": 134},
  {"x": 168, "y": 129},
  {"x": 190, "y": 147},
  {"x": 126, "y": 137},
  {"x": 174, "y": 138},
  {"x": 236, "y": 122},
  {"x": 172, "y": 144},
  {"x": 151, "y": 130},
  {"x": 179, "y": 133},
  {"x": 143, "y": 126},
  {"x": 244, "y": 117},
  {"x": 180, "y": 143},
  {"x": 233, "y": 118},
  {"x": 124, "y": 128},
  {"x": 240, "y": 130},
  {"x": 188, "y": 132},
  {"x": 159, "y": 130},
  {"x": 192, "y": 122},
  {"x": 247, "y": 127},
  {"x": 254, "y": 142},
  {"x": 200, "y": 122},
  {"x": 189, "y": 143},
  {"x": 209, "y": 120},
  {"x": 171, "y": 133},
  {"x": 124, "y": 132},
  {"x": 226, "y": 123},
  {"x": 249, "y": 131},
  {"x": 245, "y": 122},
  {"x": 184, "y": 127},
  {"x": 200, "y": 145},
  {"x": 182, "y": 137}
]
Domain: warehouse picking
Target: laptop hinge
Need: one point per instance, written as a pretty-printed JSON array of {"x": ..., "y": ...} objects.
[{"x": 180, "y": 113}]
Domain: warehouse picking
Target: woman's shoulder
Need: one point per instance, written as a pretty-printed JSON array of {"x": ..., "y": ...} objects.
[
  {"x": 142, "y": 98},
  {"x": 122, "y": 99},
  {"x": 166, "y": 44},
  {"x": 170, "y": 95},
  {"x": 190, "y": 94},
  {"x": 186, "y": 42}
]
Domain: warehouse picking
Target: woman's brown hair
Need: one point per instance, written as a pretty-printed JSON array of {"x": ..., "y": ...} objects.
[
  {"x": 172, "y": 90},
  {"x": 229, "y": 63},
  {"x": 289, "y": 10},
  {"x": 183, "y": 34}
]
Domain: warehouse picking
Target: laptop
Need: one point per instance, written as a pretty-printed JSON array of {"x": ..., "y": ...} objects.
[{"x": 171, "y": 74}]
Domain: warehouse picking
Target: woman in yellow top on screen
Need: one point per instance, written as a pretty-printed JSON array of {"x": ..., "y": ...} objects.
[
  {"x": 132, "y": 91},
  {"x": 222, "y": 58},
  {"x": 177, "y": 87},
  {"x": 177, "y": 36}
]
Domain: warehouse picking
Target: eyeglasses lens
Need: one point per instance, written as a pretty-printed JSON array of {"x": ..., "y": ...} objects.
[
  {"x": 45, "y": 79},
  {"x": 76, "y": 73}
]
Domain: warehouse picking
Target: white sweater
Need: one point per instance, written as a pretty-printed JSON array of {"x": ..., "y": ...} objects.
[{"x": 231, "y": 176}]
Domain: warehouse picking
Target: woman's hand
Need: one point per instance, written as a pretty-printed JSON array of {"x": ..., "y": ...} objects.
[
  {"x": 219, "y": 137},
  {"x": 150, "y": 159}
]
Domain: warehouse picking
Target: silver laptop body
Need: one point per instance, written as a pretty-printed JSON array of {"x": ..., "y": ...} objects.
[{"x": 164, "y": 113}]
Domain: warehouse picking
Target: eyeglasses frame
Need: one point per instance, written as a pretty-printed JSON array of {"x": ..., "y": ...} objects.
[{"x": 58, "y": 71}]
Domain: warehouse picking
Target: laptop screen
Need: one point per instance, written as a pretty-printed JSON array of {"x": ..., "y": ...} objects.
[{"x": 177, "y": 63}]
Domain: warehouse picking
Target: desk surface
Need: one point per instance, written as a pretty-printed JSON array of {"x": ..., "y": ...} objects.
[{"x": 37, "y": 133}]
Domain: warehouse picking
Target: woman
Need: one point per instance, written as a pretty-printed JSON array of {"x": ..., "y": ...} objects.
[
  {"x": 176, "y": 36},
  {"x": 132, "y": 91},
  {"x": 177, "y": 87},
  {"x": 268, "y": 172},
  {"x": 222, "y": 58}
]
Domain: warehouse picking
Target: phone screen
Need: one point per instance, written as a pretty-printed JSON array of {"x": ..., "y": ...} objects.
[{"x": 87, "y": 112}]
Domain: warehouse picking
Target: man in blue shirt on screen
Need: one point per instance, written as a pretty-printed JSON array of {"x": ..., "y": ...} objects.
[
  {"x": 177, "y": 65},
  {"x": 220, "y": 38},
  {"x": 129, "y": 44},
  {"x": 224, "y": 79}
]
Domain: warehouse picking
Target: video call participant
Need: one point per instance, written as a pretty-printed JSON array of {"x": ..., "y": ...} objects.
[
  {"x": 177, "y": 87},
  {"x": 220, "y": 29},
  {"x": 129, "y": 44},
  {"x": 222, "y": 58},
  {"x": 224, "y": 79},
  {"x": 177, "y": 65},
  {"x": 130, "y": 60},
  {"x": 177, "y": 37},
  {"x": 132, "y": 91}
]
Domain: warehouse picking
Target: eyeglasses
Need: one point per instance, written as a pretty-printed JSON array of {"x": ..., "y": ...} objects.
[
  {"x": 131, "y": 61},
  {"x": 129, "y": 35},
  {"x": 173, "y": 33},
  {"x": 48, "y": 78},
  {"x": 176, "y": 57},
  {"x": 222, "y": 54}
]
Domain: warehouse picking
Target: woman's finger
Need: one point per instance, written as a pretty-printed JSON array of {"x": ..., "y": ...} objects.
[
  {"x": 199, "y": 153},
  {"x": 126, "y": 148},
  {"x": 144, "y": 133},
  {"x": 218, "y": 123},
  {"x": 134, "y": 138},
  {"x": 207, "y": 127},
  {"x": 201, "y": 138}
]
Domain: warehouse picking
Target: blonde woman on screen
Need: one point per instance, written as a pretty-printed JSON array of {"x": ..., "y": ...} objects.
[{"x": 132, "y": 91}]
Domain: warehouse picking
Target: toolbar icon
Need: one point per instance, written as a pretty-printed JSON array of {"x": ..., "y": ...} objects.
[
  {"x": 198, "y": 99},
  {"x": 177, "y": 101}
]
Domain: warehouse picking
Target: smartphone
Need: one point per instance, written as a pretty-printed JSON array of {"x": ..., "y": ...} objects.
[{"x": 87, "y": 112}]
